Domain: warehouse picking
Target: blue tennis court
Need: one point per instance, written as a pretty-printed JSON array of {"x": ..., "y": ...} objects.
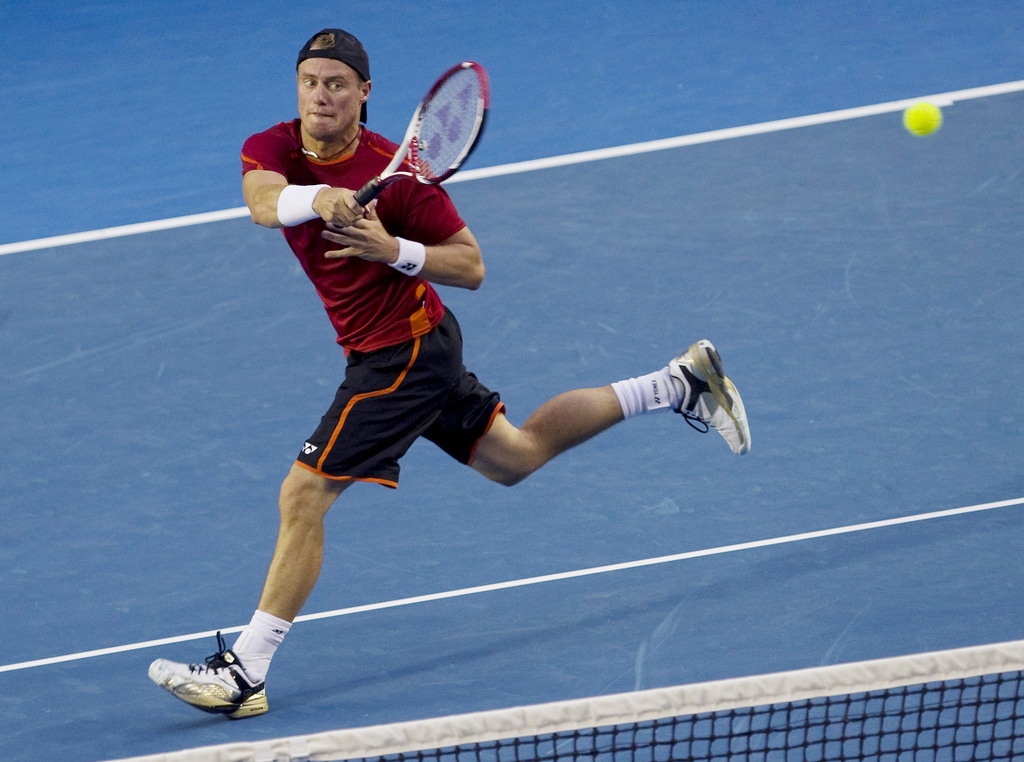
[{"x": 862, "y": 285}]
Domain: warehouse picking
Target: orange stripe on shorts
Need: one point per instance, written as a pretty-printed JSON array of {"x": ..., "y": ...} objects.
[{"x": 367, "y": 395}]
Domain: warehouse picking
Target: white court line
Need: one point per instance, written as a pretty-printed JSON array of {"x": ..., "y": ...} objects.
[
  {"x": 535, "y": 580},
  {"x": 939, "y": 99}
]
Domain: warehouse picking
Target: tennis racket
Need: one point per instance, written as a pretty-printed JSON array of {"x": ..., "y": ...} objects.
[{"x": 443, "y": 131}]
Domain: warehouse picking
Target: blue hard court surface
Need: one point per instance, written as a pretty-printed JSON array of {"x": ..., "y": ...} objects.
[{"x": 862, "y": 285}]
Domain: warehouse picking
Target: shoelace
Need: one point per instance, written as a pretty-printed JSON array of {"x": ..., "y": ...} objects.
[
  {"x": 213, "y": 663},
  {"x": 693, "y": 422},
  {"x": 697, "y": 388}
]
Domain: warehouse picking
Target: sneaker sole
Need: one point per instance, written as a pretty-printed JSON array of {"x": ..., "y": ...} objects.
[
  {"x": 708, "y": 363},
  {"x": 253, "y": 706}
]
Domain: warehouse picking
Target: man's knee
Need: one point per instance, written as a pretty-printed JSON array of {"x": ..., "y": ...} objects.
[
  {"x": 507, "y": 455},
  {"x": 505, "y": 476},
  {"x": 307, "y": 496}
]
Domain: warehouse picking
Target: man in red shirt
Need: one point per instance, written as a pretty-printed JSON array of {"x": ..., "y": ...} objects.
[{"x": 373, "y": 268}]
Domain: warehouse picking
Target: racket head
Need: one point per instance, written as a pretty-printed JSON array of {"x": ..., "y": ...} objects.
[
  {"x": 442, "y": 133},
  {"x": 449, "y": 122}
]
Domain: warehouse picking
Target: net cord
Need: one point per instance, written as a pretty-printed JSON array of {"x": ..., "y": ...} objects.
[{"x": 615, "y": 709}]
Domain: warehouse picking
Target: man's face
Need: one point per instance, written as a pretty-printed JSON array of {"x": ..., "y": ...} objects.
[{"x": 331, "y": 95}]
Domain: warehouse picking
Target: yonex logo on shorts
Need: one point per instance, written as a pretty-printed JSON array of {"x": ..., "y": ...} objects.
[{"x": 309, "y": 449}]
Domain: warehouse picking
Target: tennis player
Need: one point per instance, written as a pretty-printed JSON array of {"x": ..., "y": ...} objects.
[{"x": 375, "y": 269}]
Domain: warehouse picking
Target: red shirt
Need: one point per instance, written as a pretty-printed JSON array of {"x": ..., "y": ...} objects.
[{"x": 370, "y": 304}]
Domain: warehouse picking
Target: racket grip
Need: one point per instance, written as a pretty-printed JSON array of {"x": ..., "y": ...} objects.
[{"x": 369, "y": 192}]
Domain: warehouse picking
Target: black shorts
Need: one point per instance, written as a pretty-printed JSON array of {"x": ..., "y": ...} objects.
[{"x": 390, "y": 397}]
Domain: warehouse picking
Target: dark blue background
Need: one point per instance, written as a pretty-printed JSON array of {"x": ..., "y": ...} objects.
[{"x": 122, "y": 112}]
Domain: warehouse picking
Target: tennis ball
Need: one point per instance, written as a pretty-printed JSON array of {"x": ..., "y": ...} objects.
[{"x": 922, "y": 118}]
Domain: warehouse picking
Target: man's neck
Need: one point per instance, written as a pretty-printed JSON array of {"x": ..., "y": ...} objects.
[{"x": 328, "y": 151}]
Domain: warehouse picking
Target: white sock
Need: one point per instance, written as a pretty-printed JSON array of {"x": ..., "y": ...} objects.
[
  {"x": 258, "y": 643},
  {"x": 655, "y": 391}
]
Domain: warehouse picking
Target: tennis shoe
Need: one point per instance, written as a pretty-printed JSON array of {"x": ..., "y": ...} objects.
[
  {"x": 219, "y": 686},
  {"x": 710, "y": 399}
]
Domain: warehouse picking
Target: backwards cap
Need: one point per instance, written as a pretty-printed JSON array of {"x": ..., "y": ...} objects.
[{"x": 346, "y": 48}]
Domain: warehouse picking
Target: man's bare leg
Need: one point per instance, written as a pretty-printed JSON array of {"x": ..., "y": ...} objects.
[
  {"x": 508, "y": 455},
  {"x": 295, "y": 567}
]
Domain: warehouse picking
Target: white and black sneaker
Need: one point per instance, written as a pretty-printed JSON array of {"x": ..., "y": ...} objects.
[
  {"x": 710, "y": 399},
  {"x": 219, "y": 686}
]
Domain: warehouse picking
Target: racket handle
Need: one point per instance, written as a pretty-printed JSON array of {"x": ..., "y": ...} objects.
[{"x": 369, "y": 192}]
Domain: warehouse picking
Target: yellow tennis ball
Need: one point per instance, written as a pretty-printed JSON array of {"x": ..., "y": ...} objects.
[{"x": 922, "y": 118}]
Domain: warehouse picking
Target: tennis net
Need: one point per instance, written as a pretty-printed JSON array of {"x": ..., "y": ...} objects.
[{"x": 963, "y": 704}]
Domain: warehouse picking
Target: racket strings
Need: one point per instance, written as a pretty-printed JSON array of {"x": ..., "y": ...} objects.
[{"x": 450, "y": 120}]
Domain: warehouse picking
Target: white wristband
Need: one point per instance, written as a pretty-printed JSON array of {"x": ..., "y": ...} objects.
[
  {"x": 411, "y": 256},
  {"x": 295, "y": 204}
]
